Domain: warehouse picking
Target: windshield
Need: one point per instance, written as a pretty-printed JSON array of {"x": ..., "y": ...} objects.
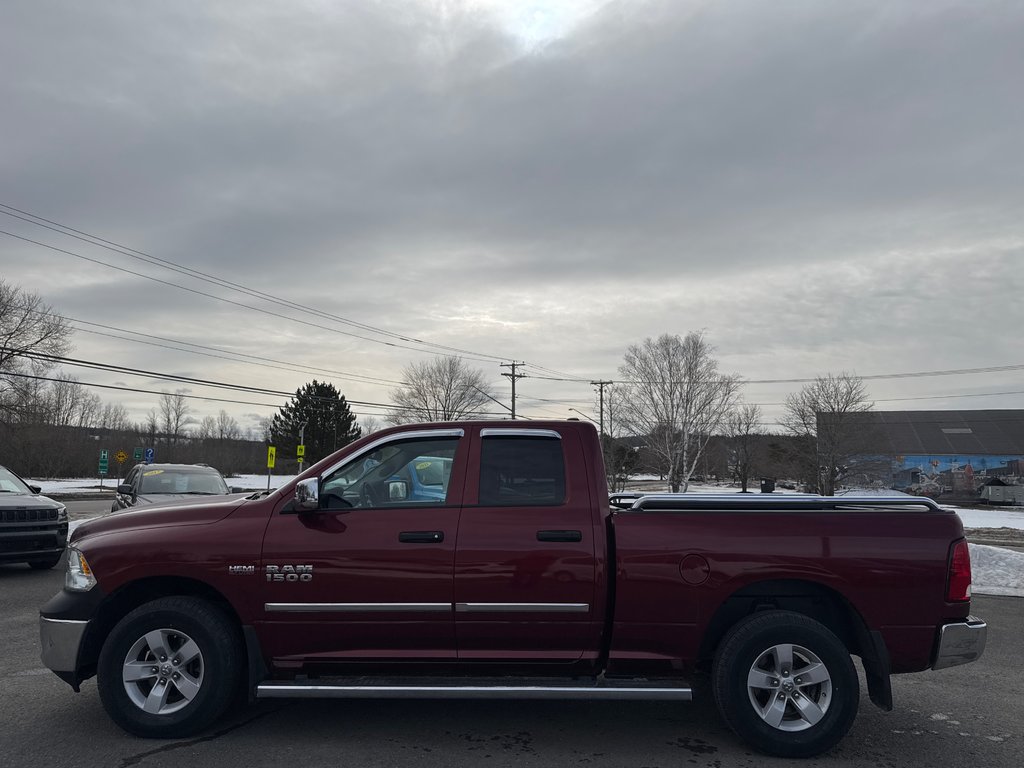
[
  {"x": 199, "y": 481},
  {"x": 11, "y": 483}
]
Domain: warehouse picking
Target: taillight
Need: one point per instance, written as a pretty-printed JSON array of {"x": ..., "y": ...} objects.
[{"x": 959, "y": 582}]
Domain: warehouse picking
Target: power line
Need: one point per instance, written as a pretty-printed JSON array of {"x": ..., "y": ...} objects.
[
  {"x": 147, "y": 258},
  {"x": 230, "y": 301},
  {"x": 110, "y": 368},
  {"x": 208, "y": 278},
  {"x": 871, "y": 377},
  {"x": 252, "y": 359},
  {"x": 188, "y": 396}
]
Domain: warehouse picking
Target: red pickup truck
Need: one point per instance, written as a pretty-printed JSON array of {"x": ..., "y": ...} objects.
[{"x": 507, "y": 574}]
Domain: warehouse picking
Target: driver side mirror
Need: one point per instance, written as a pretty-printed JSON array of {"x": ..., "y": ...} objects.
[
  {"x": 35, "y": 489},
  {"x": 398, "y": 490},
  {"x": 125, "y": 489},
  {"x": 307, "y": 495}
]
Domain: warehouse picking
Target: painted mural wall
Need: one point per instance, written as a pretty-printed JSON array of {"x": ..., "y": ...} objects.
[{"x": 960, "y": 475}]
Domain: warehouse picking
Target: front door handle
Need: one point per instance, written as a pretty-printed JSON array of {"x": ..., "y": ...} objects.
[
  {"x": 421, "y": 537},
  {"x": 559, "y": 536}
]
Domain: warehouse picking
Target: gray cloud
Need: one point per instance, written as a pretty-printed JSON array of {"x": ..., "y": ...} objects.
[{"x": 819, "y": 186}]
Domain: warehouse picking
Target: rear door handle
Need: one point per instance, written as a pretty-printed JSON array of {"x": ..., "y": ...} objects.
[
  {"x": 559, "y": 536},
  {"x": 421, "y": 537}
]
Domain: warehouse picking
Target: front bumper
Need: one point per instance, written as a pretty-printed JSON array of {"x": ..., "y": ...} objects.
[
  {"x": 960, "y": 642},
  {"x": 21, "y": 542},
  {"x": 59, "y": 640}
]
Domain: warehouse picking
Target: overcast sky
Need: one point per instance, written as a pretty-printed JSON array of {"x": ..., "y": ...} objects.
[{"x": 820, "y": 186}]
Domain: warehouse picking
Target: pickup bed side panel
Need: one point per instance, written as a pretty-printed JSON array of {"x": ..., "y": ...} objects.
[{"x": 675, "y": 569}]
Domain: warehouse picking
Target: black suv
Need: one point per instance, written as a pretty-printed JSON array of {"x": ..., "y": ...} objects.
[
  {"x": 156, "y": 483},
  {"x": 33, "y": 528}
]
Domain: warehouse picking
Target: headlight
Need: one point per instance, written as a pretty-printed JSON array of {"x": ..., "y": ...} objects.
[
  {"x": 62, "y": 513},
  {"x": 78, "y": 577}
]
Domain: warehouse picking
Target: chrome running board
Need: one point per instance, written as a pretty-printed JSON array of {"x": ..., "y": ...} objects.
[{"x": 626, "y": 690}]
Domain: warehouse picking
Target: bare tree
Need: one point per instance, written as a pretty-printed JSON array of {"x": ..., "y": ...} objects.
[
  {"x": 826, "y": 417},
  {"x": 227, "y": 427},
  {"x": 207, "y": 428},
  {"x": 174, "y": 415},
  {"x": 68, "y": 402},
  {"x": 444, "y": 389},
  {"x": 677, "y": 399},
  {"x": 150, "y": 428},
  {"x": 30, "y": 332},
  {"x": 114, "y": 417},
  {"x": 743, "y": 431},
  {"x": 370, "y": 424}
]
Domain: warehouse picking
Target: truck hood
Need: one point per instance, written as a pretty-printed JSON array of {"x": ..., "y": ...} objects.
[
  {"x": 195, "y": 511},
  {"x": 178, "y": 499}
]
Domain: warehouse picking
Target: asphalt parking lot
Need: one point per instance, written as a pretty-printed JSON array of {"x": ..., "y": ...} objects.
[{"x": 963, "y": 716}]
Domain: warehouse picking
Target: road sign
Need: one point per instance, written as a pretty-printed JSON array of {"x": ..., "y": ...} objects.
[
  {"x": 103, "y": 465},
  {"x": 103, "y": 455},
  {"x": 300, "y": 451},
  {"x": 271, "y": 456},
  {"x": 137, "y": 454},
  {"x": 121, "y": 457},
  {"x": 149, "y": 454}
]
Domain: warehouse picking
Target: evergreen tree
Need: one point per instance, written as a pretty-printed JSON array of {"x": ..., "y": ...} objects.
[{"x": 329, "y": 422}]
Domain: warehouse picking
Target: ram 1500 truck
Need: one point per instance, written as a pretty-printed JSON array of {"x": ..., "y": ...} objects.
[{"x": 519, "y": 581}]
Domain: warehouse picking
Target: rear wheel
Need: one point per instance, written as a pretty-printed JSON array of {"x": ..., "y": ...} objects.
[
  {"x": 170, "y": 667},
  {"x": 786, "y": 684}
]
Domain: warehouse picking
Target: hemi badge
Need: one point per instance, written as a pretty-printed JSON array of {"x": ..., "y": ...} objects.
[{"x": 241, "y": 569}]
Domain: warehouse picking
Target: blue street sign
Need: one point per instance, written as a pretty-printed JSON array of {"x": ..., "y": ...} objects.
[{"x": 150, "y": 453}]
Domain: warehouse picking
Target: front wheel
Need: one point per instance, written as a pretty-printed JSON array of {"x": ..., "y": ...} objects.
[
  {"x": 786, "y": 684},
  {"x": 169, "y": 668}
]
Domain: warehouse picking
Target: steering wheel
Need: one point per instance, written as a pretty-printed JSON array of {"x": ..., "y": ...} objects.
[{"x": 368, "y": 496}]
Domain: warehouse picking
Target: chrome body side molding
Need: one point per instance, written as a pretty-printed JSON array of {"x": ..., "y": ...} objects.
[{"x": 357, "y": 607}]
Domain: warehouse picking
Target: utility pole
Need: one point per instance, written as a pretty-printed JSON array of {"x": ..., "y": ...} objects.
[
  {"x": 600, "y": 391},
  {"x": 302, "y": 444},
  {"x": 600, "y": 427},
  {"x": 513, "y": 376}
]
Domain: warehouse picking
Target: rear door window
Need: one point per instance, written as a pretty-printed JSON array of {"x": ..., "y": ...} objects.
[{"x": 521, "y": 471}]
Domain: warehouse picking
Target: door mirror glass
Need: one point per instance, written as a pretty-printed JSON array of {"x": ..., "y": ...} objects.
[
  {"x": 307, "y": 495},
  {"x": 125, "y": 488},
  {"x": 398, "y": 490}
]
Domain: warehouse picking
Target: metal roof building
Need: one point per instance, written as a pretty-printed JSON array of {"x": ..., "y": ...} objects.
[
  {"x": 952, "y": 454},
  {"x": 949, "y": 433}
]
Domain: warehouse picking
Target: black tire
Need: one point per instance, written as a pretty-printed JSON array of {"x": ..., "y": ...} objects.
[
  {"x": 210, "y": 678},
  {"x": 45, "y": 565},
  {"x": 749, "y": 649}
]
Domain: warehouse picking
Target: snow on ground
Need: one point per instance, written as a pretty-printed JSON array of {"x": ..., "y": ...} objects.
[
  {"x": 81, "y": 485},
  {"x": 92, "y": 485},
  {"x": 258, "y": 482},
  {"x": 997, "y": 571},
  {"x": 989, "y": 518}
]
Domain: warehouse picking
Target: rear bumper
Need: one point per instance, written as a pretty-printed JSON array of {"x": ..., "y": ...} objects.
[{"x": 960, "y": 642}]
